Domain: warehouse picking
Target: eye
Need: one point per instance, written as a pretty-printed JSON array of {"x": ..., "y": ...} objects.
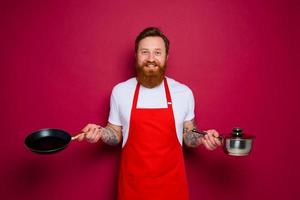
[
  {"x": 158, "y": 53},
  {"x": 144, "y": 52}
]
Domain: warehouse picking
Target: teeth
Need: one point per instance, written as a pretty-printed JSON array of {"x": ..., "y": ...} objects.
[{"x": 151, "y": 65}]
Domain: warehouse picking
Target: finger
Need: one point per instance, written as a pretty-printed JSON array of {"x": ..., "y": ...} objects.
[
  {"x": 209, "y": 143},
  {"x": 216, "y": 137},
  {"x": 88, "y": 127},
  {"x": 80, "y": 137},
  {"x": 89, "y": 135},
  {"x": 204, "y": 142},
  {"x": 208, "y": 139},
  {"x": 212, "y": 139},
  {"x": 97, "y": 137},
  {"x": 206, "y": 145},
  {"x": 94, "y": 135},
  {"x": 215, "y": 133},
  {"x": 218, "y": 141},
  {"x": 211, "y": 132}
]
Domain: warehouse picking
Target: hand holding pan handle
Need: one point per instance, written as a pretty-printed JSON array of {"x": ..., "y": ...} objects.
[{"x": 77, "y": 136}]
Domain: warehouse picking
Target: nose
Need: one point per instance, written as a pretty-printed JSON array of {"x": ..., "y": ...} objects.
[{"x": 151, "y": 57}]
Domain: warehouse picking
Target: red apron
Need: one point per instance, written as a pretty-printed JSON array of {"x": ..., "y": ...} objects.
[{"x": 152, "y": 164}]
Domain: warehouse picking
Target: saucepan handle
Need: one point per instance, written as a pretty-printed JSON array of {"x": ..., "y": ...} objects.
[{"x": 203, "y": 133}]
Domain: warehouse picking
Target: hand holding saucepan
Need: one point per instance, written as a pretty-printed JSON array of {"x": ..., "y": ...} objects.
[
  {"x": 236, "y": 144},
  {"x": 210, "y": 139}
]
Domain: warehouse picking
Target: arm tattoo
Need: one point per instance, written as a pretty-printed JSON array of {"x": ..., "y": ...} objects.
[
  {"x": 109, "y": 136},
  {"x": 191, "y": 139}
]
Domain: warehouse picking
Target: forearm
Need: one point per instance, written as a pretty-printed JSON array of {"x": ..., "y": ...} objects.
[
  {"x": 191, "y": 139},
  {"x": 110, "y": 136}
]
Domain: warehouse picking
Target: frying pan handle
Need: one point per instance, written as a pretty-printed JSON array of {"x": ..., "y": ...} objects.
[
  {"x": 80, "y": 134},
  {"x": 77, "y": 136}
]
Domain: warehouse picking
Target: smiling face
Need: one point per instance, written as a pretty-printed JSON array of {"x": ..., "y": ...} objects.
[{"x": 151, "y": 58}]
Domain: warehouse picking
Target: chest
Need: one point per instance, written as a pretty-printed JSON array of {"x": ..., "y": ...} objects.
[{"x": 153, "y": 100}]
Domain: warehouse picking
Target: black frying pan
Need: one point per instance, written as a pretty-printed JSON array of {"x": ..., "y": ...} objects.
[{"x": 46, "y": 141}]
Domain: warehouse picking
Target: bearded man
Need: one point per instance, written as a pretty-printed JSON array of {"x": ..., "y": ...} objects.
[{"x": 153, "y": 115}]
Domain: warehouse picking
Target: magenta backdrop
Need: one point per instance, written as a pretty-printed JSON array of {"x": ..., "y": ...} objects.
[{"x": 60, "y": 60}]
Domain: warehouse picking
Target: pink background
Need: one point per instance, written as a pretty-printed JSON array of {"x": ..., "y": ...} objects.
[{"x": 60, "y": 60}]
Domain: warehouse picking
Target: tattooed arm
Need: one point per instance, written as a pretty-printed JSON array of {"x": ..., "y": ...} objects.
[
  {"x": 190, "y": 139},
  {"x": 111, "y": 134}
]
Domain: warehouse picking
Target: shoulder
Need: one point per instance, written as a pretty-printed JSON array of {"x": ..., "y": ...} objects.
[
  {"x": 124, "y": 87},
  {"x": 178, "y": 87}
]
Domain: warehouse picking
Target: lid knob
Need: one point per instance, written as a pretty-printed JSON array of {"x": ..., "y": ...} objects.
[{"x": 237, "y": 132}]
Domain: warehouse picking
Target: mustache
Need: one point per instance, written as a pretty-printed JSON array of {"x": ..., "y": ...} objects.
[{"x": 150, "y": 63}]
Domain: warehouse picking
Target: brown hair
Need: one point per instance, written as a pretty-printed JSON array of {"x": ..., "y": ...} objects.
[{"x": 151, "y": 31}]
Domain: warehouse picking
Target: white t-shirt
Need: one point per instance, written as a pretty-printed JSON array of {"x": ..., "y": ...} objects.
[{"x": 122, "y": 98}]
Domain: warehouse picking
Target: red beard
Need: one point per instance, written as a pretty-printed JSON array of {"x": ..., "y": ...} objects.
[{"x": 150, "y": 77}]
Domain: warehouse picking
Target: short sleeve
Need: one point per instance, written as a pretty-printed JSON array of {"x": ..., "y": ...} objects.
[
  {"x": 191, "y": 106},
  {"x": 114, "y": 113}
]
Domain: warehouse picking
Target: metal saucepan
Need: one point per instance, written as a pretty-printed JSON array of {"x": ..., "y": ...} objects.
[
  {"x": 237, "y": 144},
  {"x": 46, "y": 141}
]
